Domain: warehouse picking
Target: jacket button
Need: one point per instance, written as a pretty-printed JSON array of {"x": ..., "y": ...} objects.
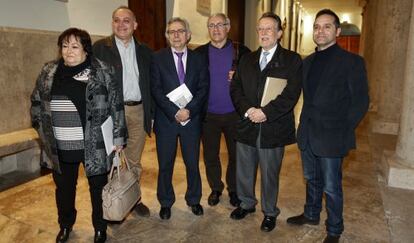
[
  {"x": 90, "y": 97},
  {"x": 89, "y": 118}
]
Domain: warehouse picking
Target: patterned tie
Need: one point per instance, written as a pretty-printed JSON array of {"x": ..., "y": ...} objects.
[
  {"x": 181, "y": 73},
  {"x": 263, "y": 62}
]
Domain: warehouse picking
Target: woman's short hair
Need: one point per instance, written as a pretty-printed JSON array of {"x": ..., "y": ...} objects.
[{"x": 81, "y": 35}]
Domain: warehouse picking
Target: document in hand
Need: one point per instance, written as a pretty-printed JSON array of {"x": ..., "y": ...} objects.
[
  {"x": 107, "y": 132},
  {"x": 273, "y": 88},
  {"x": 181, "y": 96}
]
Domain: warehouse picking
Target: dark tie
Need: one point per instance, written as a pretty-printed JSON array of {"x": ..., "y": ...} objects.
[{"x": 181, "y": 73}]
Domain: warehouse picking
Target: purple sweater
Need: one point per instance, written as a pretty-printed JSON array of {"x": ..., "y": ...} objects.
[{"x": 220, "y": 62}]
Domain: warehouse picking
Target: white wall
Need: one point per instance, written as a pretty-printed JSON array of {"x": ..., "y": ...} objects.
[
  {"x": 198, "y": 23},
  {"x": 91, "y": 15}
]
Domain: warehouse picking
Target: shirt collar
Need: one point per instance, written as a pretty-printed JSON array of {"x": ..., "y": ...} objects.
[
  {"x": 271, "y": 52},
  {"x": 184, "y": 50},
  {"x": 119, "y": 42}
]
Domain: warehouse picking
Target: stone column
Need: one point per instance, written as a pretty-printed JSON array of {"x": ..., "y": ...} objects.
[
  {"x": 390, "y": 48},
  {"x": 369, "y": 34},
  {"x": 400, "y": 165}
]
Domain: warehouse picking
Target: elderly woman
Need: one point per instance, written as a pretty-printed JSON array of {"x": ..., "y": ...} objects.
[{"x": 73, "y": 96}]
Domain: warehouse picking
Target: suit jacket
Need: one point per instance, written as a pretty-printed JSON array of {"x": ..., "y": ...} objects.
[
  {"x": 246, "y": 91},
  {"x": 103, "y": 99},
  {"x": 164, "y": 79},
  {"x": 330, "y": 116},
  {"x": 106, "y": 50}
]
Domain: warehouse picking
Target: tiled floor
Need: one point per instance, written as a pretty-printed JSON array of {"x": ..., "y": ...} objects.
[{"x": 28, "y": 211}]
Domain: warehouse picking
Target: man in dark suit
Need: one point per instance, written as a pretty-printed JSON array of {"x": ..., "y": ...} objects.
[
  {"x": 171, "y": 67},
  {"x": 264, "y": 131},
  {"x": 222, "y": 56},
  {"x": 335, "y": 99},
  {"x": 131, "y": 60}
]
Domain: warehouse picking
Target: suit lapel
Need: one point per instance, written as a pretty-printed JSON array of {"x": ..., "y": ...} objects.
[
  {"x": 274, "y": 62},
  {"x": 306, "y": 68},
  {"x": 188, "y": 69},
  {"x": 171, "y": 65},
  {"x": 257, "y": 61},
  {"x": 114, "y": 50},
  {"x": 140, "y": 62}
]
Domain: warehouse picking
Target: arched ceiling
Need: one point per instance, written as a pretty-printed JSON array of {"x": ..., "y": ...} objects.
[{"x": 342, "y": 6}]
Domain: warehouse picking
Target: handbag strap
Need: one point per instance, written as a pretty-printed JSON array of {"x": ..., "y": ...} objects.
[
  {"x": 115, "y": 164},
  {"x": 123, "y": 160}
]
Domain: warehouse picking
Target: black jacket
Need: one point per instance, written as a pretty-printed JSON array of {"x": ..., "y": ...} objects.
[
  {"x": 330, "y": 116},
  {"x": 107, "y": 51},
  {"x": 247, "y": 89}
]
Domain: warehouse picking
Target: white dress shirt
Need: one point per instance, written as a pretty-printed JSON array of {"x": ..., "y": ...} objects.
[{"x": 130, "y": 73}]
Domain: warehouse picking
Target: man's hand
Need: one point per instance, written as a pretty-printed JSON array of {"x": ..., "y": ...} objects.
[
  {"x": 182, "y": 115},
  {"x": 256, "y": 115},
  {"x": 118, "y": 148},
  {"x": 230, "y": 75}
]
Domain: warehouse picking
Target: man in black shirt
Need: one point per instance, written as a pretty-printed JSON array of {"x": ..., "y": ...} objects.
[{"x": 335, "y": 99}]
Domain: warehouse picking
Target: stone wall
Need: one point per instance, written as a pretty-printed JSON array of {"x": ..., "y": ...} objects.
[{"x": 23, "y": 52}]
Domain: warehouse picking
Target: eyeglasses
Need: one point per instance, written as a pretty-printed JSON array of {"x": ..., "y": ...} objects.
[
  {"x": 219, "y": 25},
  {"x": 173, "y": 32},
  {"x": 268, "y": 29}
]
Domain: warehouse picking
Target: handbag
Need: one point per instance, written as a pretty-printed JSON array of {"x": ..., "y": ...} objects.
[{"x": 121, "y": 193}]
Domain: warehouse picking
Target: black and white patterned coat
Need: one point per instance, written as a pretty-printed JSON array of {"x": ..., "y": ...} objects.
[{"x": 103, "y": 99}]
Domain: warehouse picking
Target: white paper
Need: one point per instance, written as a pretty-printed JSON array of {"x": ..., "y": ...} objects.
[
  {"x": 181, "y": 96},
  {"x": 107, "y": 132}
]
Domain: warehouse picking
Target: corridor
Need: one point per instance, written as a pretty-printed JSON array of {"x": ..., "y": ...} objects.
[{"x": 28, "y": 212}]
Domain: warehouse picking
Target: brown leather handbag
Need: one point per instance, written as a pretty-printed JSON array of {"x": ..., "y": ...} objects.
[{"x": 121, "y": 193}]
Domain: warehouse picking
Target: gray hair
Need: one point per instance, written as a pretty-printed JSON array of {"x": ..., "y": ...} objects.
[
  {"x": 179, "y": 20},
  {"x": 221, "y": 15}
]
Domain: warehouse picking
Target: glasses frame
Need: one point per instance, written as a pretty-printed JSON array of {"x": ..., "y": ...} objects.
[
  {"x": 173, "y": 32},
  {"x": 218, "y": 26}
]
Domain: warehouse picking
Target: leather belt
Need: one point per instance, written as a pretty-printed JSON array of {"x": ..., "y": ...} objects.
[{"x": 132, "y": 103}]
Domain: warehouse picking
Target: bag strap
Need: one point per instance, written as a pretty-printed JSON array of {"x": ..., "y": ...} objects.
[
  {"x": 124, "y": 159},
  {"x": 118, "y": 162}
]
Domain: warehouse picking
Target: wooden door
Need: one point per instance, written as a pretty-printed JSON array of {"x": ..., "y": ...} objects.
[
  {"x": 236, "y": 12},
  {"x": 151, "y": 22},
  {"x": 350, "y": 43}
]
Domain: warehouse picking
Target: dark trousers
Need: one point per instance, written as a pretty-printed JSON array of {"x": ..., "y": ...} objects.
[
  {"x": 66, "y": 194},
  {"x": 166, "y": 152},
  {"x": 270, "y": 162},
  {"x": 324, "y": 175},
  {"x": 213, "y": 127}
]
